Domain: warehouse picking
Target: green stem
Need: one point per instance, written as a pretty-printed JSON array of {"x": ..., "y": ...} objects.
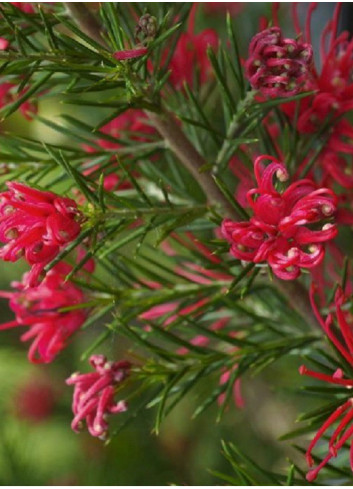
[{"x": 233, "y": 130}]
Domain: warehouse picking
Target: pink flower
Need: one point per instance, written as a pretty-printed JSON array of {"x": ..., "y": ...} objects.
[
  {"x": 137, "y": 52},
  {"x": 4, "y": 44},
  {"x": 279, "y": 232},
  {"x": 36, "y": 224},
  {"x": 94, "y": 394},
  {"x": 39, "y": 310},
  {"x": 343, "y": 415},
  {"x": 276, "y": 66}
]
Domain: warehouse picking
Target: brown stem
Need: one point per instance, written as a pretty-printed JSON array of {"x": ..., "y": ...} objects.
[
  {"x": 86, "y": 21},
  {"x": 298, "y": 297},
  {"x": 169, "y": 129}
]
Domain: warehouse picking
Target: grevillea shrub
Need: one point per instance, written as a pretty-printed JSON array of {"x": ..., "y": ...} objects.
[{"x": 177, "y": 240}]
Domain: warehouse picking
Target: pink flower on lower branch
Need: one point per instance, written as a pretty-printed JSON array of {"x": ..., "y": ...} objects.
[
  {"x": 36, "y": 224},
  {"x": 94, "y": 395},
  {"x": 40, "y": 310},
  {"x": 283, "y": 229},
  {"x": 343, "y": 415}
]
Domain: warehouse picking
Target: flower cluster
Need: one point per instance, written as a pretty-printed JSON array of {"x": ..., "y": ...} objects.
[
  {"x": 94, "y": 394},
  {"x": 36, "y": 225},
  {"x": 279, "y": 232},
  {"x": 41, "y": 309},
  {"x": 343, "y": 415},
  {"x": 277, "y": 66}
]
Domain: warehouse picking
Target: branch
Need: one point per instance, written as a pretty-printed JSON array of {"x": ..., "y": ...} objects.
[
  {"x": 169, "y": 129},
  {"x": 298, "y": 297},
  {"x": 87, "y": 21}
]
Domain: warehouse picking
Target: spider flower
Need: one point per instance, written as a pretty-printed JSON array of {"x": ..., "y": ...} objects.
[
  {"x": 276, "y": 66},
  {"x": 40, "y": 309},
  {"x": 94, "y": 394},
  {"x": 342, "y": 416},
  {"x": 280, "y": 230},
  {"x": 35, "y": 224}
]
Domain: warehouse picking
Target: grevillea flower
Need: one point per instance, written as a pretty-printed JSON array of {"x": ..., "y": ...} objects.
[
  {"x": 40, "y": 310},
  {"x": 343, "y": 415},
  {"x": 36, "y": 224},
  {"x": 94, "y": 394},
  {"x": 276, "y": 66},
  {"x": 278, "y": 232}
]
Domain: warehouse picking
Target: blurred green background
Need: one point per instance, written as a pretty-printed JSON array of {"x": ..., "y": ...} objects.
[{"x": 37, "y": 445}]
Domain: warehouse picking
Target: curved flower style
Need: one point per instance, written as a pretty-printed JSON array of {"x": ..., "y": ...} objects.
[
  {"x": 279, "y": 232},
  {"x": 94, "y": 394},
  {"x": 344, "y": 413},
  {"x": 39, "y": 309},
  {"x": 276, "y": 66},
  {"x": 36, "y": 224}
]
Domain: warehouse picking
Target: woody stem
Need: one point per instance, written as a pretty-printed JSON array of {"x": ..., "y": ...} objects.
[{"x": 171, "y": 132}]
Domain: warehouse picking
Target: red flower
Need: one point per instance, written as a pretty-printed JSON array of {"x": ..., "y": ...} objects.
[
  {"x": 344, "y": 413},
  {"x": 39, "y": 309},
  {"x": 279, "y": 232},
  {"x": 94, "y": 394},
  {"x": 276, "y": 66},
  {"x": 36, "y": 224}
]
